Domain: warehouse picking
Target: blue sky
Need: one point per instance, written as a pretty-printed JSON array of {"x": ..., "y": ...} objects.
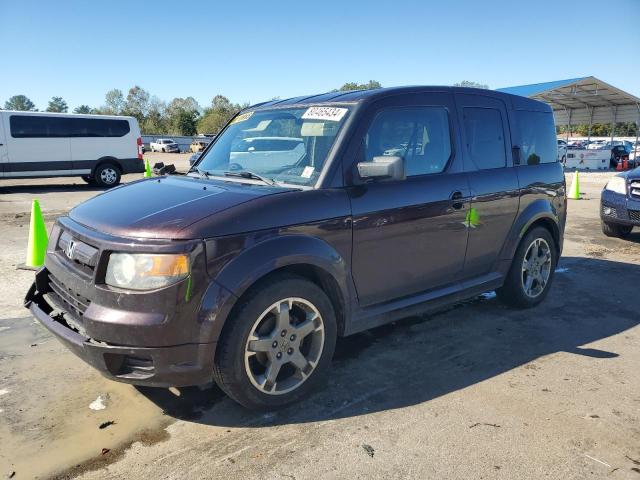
[{"x": 252, "y": 51}]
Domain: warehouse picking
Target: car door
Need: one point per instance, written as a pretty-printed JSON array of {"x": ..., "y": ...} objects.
[
  {"x": 493, "y": 181},
  {"x": 409, "y": 236}
]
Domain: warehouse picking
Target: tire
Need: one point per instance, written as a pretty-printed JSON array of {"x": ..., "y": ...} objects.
[
  {"x": 106, "y": 175},
  {"x": 514, "y": 291},
  {"x": 242, "y": 375},
  {"x": 164, "y": 150},
  {"x": 89, "y": 179},
  {"x": 614, "y": 230}
]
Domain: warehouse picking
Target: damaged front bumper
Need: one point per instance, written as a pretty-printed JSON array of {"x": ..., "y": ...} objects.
[{"x": 166, "y": 366}]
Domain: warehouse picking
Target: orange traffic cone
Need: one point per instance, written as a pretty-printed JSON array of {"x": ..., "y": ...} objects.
[{"x": 619, "y": 166}]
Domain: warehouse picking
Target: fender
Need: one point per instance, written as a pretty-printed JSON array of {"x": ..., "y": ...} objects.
[
  {"x": 252, "y": 264},
  {"x": 539, "y": 209}
]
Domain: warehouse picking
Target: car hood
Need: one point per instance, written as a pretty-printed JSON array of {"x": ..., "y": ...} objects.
[{"x": 164, "y": 207}]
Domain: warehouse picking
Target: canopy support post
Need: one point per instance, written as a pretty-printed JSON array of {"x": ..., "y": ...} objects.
[
  {"x": 613, "y": 122},
  {"x": 590, "y": 124},
  {"x": 635, "y": 145}
]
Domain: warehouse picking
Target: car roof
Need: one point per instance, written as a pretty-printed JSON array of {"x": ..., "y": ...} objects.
[{"x": 364, "y": 96}]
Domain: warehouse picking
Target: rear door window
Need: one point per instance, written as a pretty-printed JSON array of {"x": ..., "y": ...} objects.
[
  {"x": 420, "y": 135},
  {"x": 537, "y": 137},
  {"x": 485, "y": 137}
]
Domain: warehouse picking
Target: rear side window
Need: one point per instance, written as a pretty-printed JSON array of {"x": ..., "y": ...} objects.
[
  {"x": 537, "y": 137},
  {"x": 96, "y": 127},
  {"x": 485, "y": 137},
  {"x": 30, "y": 126},
  {"x": 418, "y": 134}
]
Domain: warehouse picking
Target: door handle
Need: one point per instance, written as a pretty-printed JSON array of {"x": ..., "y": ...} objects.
[{"x": 457, "y": 200}]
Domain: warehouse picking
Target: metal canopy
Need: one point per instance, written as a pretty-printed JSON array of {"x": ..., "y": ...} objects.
[{"x": 584, "y": 100}]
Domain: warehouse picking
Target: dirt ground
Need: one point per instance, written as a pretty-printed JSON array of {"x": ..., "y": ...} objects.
[{"x": 477, "y": 391}]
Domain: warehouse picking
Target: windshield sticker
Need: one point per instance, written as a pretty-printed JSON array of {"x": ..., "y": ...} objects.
[
  {"x": 333, "y": 114},
  {"x": 242, "y": 117},
  {"x": 307, "y": 172}
]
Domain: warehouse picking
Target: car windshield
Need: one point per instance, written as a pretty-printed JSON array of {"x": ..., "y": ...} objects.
[{"x": 284, "y": 145}]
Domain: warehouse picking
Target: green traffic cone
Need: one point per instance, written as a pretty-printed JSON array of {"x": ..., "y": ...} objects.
[
  {"x": 574, "y": 191},
  {"x": 37, "y": 246},
  {"x": 147, "y": 169}
]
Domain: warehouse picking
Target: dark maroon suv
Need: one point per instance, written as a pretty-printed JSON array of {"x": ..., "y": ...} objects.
[{"x": 384, "y": 203}]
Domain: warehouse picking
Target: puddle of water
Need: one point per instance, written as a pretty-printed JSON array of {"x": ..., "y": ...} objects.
[{"x": 46, "y": 425}]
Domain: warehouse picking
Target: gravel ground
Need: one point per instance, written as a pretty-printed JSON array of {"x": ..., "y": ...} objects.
[{"x": 477, "y": 391}]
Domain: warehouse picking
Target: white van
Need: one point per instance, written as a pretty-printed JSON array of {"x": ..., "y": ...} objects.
[{"x": 98, "y": 148}]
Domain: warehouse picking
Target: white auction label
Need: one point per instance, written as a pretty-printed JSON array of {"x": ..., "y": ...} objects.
[
  {"x": 333, "y": 114},
  {"x": 307, "y": 172}
]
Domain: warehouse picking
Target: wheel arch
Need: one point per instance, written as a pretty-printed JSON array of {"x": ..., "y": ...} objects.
[
  {"x": 306, "y": 257},
  {"x": 107, "y": 159},
  {"x": 538, "y": 213}
]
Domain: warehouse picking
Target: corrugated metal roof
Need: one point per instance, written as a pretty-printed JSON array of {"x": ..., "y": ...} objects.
[
  {"x": 582, "y": 100},
  {"x": 535, "y": 88}
]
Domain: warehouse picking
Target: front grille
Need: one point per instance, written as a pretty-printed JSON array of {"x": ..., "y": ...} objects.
[
  {"x": 67, "y": 300},
  {"x": 634, "y": 215},
  {"x": 79, "y": 255},
  {"x": 634, "y": 188}
]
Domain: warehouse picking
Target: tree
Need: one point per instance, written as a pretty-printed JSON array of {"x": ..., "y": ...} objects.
[
  {"x": 470, "y": 84},
  {"x": 217, "y": 116},
  {"x": 372, "y": 84},
  {"x": 137, "y": 104},
  {"x": 82, "y": 109},
  {"x": 58, "y": 105},
  {"x": 185, "y": 122},
  {"x": 20, "y": 102},
  {"x": 114, "y": 102},
  {"x": 155, "y": 121}
]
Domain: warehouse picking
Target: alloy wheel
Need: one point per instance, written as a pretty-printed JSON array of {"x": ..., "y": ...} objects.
[
  {"x": 108, "y": 176},
  {"x": 284, "y": 346},
  {"x": 536, "y": 267}
]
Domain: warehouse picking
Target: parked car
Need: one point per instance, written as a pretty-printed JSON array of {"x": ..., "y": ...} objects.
[
  {"x": 620, "y": 204},
  {"x": 164, "y": 145},
  {"x": 193, "y": 158},
  {"x": 562, "y": 151},
  {"x": 619, "y": 153},
  {"x": 596, "y": 144},
  {"x": 245, "y": 272},
  {"x": 98, "y": 148},
  {"x": 198, "y": 145}
]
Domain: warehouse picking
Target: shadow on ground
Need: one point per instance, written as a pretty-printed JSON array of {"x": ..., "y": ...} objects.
[
  {"x": 56, "y": 188},
  {"x": 418, "y": 359}
]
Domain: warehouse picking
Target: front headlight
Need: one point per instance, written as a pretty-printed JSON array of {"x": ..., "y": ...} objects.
[
  {"x": 141, "y": 271},
  {"x": 618, "y": 185}
]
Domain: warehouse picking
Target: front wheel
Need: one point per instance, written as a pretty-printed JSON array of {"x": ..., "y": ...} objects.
[
  {"x": 277, "y": 344},
  {"x": 532, "y": 270},
  {"x": 613, "y": 230}
]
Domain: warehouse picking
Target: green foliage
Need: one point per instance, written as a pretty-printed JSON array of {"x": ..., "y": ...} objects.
[
  {"x": 216, "y": 117},
  {"x": 114, "y": 102},
  {"x": 349, "y": 86},
  {"x": 85, "y": 109},
  {"x": 622, "y": 129},
  {"x": 470, "y": 84},
  {"x": 57, "y": 105},
  {"x": 137, "y": 104},
  {"x": 20, "y": 102}
]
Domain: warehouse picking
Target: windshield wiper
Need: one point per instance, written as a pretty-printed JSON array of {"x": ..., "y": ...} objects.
[{"x": 251, "y": 175}]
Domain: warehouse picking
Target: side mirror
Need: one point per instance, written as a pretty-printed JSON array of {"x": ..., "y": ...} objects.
[{"x": 383, "y": 168}]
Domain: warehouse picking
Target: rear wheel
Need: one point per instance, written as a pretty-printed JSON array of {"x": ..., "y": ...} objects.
[
  {"x": 614, "y": 230},
  {"x": 532, "y": 270},
  {"x": 277, "y": 344},
  {"x": 107, "y": 175}
]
